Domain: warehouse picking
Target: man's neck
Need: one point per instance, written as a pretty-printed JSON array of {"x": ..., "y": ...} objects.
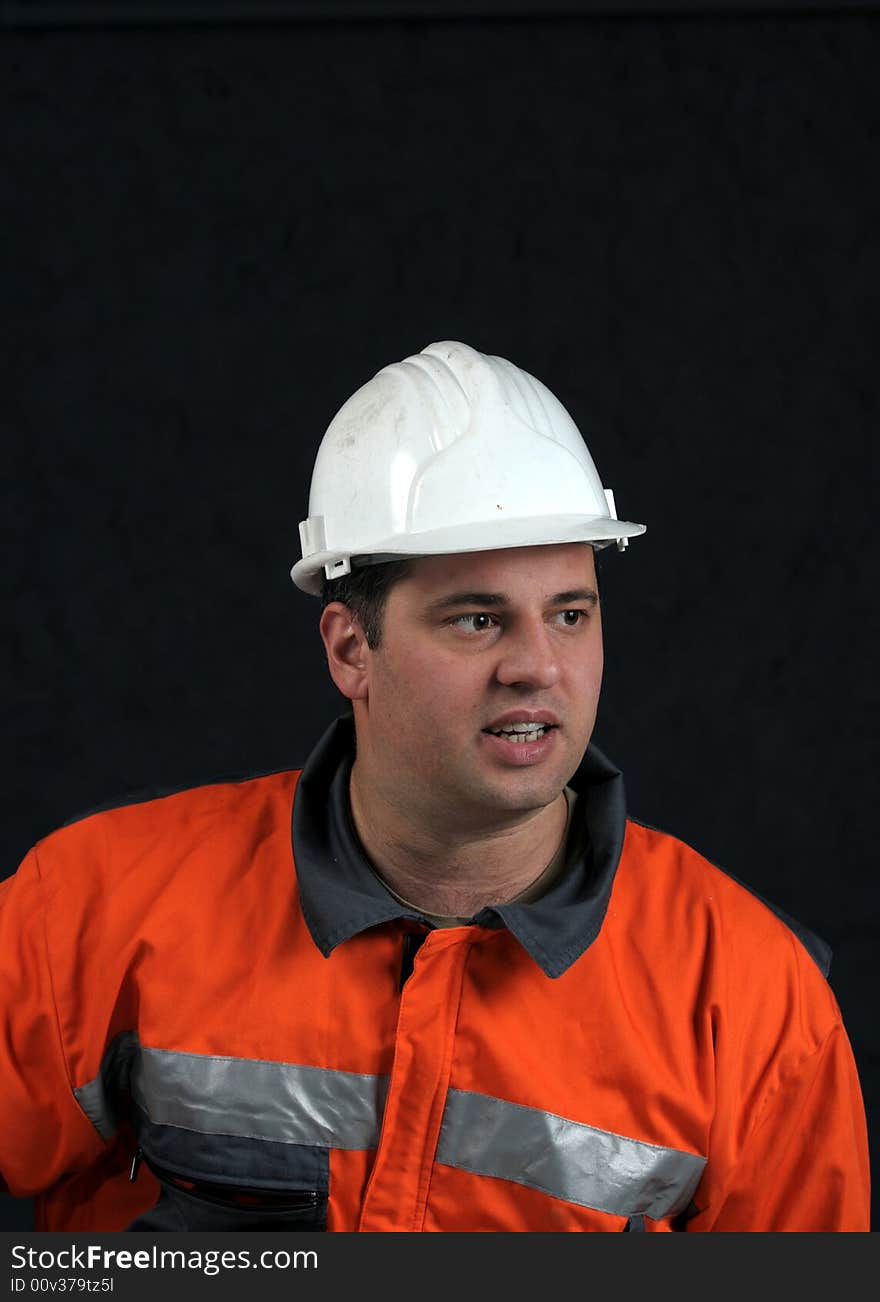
[{"x": 456, "y": 876}]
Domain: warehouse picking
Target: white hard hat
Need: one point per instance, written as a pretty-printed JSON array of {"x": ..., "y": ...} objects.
[{"x": 450, "y": 451}]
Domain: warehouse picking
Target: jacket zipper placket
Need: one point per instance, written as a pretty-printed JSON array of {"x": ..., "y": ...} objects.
[{"x": 397, "y": 1191}]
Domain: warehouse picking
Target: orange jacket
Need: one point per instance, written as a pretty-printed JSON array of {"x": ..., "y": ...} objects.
[{"x": 648, "y": 1046}]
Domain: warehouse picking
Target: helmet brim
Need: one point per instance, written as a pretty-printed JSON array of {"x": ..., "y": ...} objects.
[{"x": 492, "y": 535}]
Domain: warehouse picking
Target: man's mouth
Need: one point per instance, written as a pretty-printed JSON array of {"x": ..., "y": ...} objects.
[{"x": 522, "y": 732}]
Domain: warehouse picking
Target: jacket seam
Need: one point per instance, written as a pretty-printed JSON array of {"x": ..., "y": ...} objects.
[
  {"x": 790, "y": 1073},
  {"x": 785, "y": 1078},
  {"x": 41, "y": 878}
]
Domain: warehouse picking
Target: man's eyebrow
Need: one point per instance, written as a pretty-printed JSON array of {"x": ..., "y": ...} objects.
[
  {"x": 481, "y": 599},
  {"x": 488, "y": 600},
  {"x": 575, "y": 595}
]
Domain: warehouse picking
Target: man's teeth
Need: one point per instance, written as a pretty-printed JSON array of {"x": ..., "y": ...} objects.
[{"x": 522, "y": 731}]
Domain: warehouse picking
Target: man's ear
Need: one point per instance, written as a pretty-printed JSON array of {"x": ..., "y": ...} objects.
[{"x": 347, "y": 650}]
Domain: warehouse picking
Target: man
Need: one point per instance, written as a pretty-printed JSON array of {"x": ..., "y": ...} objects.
[{"x": 438, "y": 981}]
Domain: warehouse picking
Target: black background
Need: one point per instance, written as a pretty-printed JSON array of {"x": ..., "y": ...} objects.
[{"x": 214, "y": 232}]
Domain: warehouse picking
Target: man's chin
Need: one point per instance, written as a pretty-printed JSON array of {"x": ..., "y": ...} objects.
[{"x": 527, "y": 792}]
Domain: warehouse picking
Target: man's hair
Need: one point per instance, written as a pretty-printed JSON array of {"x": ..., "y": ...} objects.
[{"x": 365, "y": 591}]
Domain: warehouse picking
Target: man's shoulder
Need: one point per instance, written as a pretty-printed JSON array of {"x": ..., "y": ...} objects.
[
  {"x": 215, "y": 791},
  {"x": 167, "y": 819},
  {"x": 669, "y": 863}
]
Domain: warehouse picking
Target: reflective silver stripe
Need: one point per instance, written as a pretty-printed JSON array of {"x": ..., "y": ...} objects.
[
  {"x": 248, "y": 1098},
  {"x": 256, "y": 1099},
  {"x": 317, "y": 1106},
  {"x": 578, "y": 1163}
]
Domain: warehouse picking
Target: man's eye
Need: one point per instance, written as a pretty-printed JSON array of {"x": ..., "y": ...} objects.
[
  {"x": 475, "y": 623},
  {"x": 570, "y": 617}
]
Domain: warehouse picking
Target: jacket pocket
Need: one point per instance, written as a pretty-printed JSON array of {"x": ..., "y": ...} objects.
[{"x": 187, "y": 1204}]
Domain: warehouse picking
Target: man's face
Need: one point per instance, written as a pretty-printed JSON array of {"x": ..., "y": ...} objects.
[{"x": 480, "y": 699}]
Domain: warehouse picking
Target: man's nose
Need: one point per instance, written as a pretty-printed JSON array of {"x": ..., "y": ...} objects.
[{"x": 527, "y": 657}]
